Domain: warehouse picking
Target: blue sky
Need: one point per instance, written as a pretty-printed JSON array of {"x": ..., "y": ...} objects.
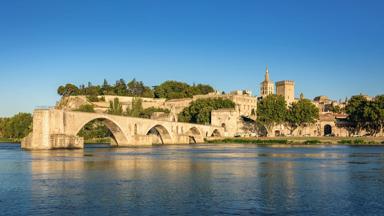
[{"x": 329, "y": 47}]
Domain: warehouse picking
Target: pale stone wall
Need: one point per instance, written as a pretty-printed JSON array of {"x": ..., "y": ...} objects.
[
  {"x": 286, "y": 88},
  {"x": 228, "y": 119},
  {"x": 245, "y": 103},
  {"x": 59, "y": 128}
]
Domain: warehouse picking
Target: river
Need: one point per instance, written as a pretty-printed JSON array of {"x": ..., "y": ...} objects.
[{"x": 207, "y": 179}]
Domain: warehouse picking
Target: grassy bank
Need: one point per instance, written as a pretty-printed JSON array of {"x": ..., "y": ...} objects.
[
  {"x": 9, "y": 140},
  {"x": 303, "y": 140}
]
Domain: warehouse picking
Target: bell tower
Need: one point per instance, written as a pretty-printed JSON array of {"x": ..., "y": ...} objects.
[{"x": 267, "y": 87}]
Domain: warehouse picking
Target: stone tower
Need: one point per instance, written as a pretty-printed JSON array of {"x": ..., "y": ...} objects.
[
  {"x": 267, "y": 87},
  {"x": 286, "y": 88}
]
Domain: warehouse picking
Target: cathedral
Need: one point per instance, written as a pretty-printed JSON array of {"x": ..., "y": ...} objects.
[{"x": 285, "y": 88}]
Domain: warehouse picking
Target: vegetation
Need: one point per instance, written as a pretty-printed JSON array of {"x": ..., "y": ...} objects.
[
  {"x": 364, "y": 114},
  {"x": 250, "y": 141},
  {"x": 356, "y": 142},
  {"x": 312, "y": 141},
  {"x": 134, "y": 88},
  {"x": 336, "y": 109},
  {"x": 301, "y": 114},
  {"x": 271, "y": 111},
  {"x": 175, "y": 90},
  {"x": 16, "y": 127},
  {"x": 138, "y": 111},
  {"x": 115, "y": 108},
  {"x": 95, "y": 129},
  {"x": 86, "y": 108},
  {"x": 200, "y": 110}
]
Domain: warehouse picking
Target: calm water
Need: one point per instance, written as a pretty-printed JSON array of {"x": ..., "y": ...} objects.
[{"x": 193, "y": 180}]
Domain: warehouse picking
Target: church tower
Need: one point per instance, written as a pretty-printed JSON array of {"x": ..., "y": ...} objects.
[{"x": 267, "y": 87}]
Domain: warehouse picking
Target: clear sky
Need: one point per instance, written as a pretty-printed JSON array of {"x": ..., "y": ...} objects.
[{"x": 329, "y": 47}]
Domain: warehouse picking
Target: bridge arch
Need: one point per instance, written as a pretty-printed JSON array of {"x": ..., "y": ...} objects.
[
  {"x": 216, "y": 133},
  {"x": 161, "y": 133},
  {"x": 195, "y": 135},
  {"x": 118, "y": 136}
]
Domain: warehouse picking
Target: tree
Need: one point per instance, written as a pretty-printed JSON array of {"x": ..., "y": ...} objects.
[
  {"x": 200, "y": 110},
  {"x": 136, "y": 108},
  {"x": 138, "y": 111},
  {"x": 121, "y": 88},
  {"x": 374, "y": 115},
  {"x": 201, "y": 89},
  {"x": 138, "y": 89},
  {"x": 301, "y": 113},
  {"x": 355, "y": 110},
  {"x": 173, "y": 90},
  {"x": 115, "y": 108},
  {"x": 271, "y": 111},
  {"x": 107, "y": 89},
  {"x": 335, "y": 108},
  {"x": 18, "y": 126},
  {"x": 68, "y": 90}
]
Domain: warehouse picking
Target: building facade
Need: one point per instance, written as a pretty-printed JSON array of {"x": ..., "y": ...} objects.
[
  {"x": 286, "y": 88},
  {"x": 267, "y": 87}
]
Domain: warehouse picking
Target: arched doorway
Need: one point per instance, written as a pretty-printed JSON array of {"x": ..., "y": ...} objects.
[
  {"x": 277, "y": 133},
  {"x": 327, "y": 130},
  {"x": 216, "y": 133},
  {"x": 102, "y": 131},
  {"x": 160, "y": 135}
]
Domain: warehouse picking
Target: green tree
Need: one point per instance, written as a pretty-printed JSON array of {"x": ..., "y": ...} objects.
[
  {"x": 201, "y": 89},
  {"x": 271, "y": 111},
  {"x": 355, "y": 109},
  {"x": 121, "y": 88},
  {"x": 3, "y": 123},
  {"x": 18, "y": 126},
  {"x": 115, "y": 108},
  {"x": 200, "y": 110},
  {"x": 379, "y": 100},
  {"x": 173, "y": 90},
  {"x": 136, "y": 108},
  {"x": 138, "y": 89},
  {"x": 301, "y": 114},
  {"x": 107, "y": 89},
  {"x": 374, "y": 115},
  {"x": 335, "y": 108},
  {"x": 68, "y": 90}
]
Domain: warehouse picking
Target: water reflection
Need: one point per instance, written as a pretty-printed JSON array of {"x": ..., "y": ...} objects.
[{"x": 194, "y": 180}]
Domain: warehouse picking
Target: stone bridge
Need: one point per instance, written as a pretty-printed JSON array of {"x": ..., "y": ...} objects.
[{"x": 53, "y": 128}]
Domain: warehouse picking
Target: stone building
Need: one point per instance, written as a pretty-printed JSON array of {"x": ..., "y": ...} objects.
[
  {"x": 286, "y": 88},
  {"x": 229, "y": 119},
  {"x": 245, "y": 103},
  {"x": 267, "y": 87}
]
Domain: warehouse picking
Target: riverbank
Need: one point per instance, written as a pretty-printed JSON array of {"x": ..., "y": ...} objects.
[
  {"x": 263, "y": 140},
  {"x": 302, "y": 140},
  {"x": 10, "y": 140}
]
